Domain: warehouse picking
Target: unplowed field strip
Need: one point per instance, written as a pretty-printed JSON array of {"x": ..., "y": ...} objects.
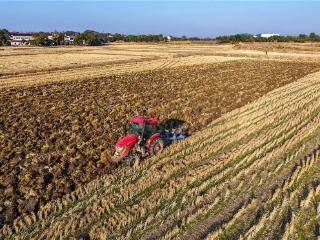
[{"x": 70, "y": 62}]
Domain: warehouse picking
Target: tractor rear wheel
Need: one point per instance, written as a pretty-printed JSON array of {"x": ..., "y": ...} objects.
[{"x": 156, "y": 146}]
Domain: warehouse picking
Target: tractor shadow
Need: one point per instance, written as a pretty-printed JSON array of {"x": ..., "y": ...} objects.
[{"x": 171, "y": 123}]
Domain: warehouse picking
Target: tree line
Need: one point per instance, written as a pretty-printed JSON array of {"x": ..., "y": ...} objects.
[
  {"x": 136, "y": 38},
  {"x": 152, "y": 38},
  {"x": 312, "y": 37},
  {"x": 89, "y": 38},
  {"x": 93, "y": 38}
]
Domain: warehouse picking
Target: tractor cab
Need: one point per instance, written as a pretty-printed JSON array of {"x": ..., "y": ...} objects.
[{"x": 142, "y": 126}]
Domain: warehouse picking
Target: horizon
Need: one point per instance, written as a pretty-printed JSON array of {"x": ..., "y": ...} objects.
[
  {"x": 204, "y": 19},
  {"x": 256, "y": 34}
]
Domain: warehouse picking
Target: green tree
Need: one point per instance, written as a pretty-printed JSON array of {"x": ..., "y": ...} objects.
[
  {"x": 40, "y": 39},
  {"x": 4, "y": 37},
  {"x": 117, "y": 37},
  {"x": 92, "y": 39},
  {"x": 314, "y": 37},
  {"x": 302, "y": 38},
  {"x": 89, "y": 38},
  {"x": 58, "y": 38},
  {"x": 78, "y": 39}
]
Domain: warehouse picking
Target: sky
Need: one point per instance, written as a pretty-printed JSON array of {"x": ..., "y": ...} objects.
[{"x": 190, "y": 18}]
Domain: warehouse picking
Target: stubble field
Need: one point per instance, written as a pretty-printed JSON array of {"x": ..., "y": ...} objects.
[{"x": 57, "y": 134}]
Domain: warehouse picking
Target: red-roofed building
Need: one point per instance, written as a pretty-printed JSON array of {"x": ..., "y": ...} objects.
[{"x": 20, "y": 38}]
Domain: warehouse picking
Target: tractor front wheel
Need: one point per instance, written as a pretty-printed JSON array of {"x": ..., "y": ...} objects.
[
  {"x": 132, "y": 160},
  {"x": 135, "y": 161},
  {"x": 156, "y": 146}
]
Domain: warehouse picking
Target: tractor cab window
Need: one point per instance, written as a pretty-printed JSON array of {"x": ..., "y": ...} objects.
[
  {"x": 135, "y": 128},
  {"x": 150, "y": 129}
]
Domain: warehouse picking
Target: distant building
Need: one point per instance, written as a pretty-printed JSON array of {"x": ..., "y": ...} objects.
[
  {"x": 20, "y": 38},
  {"x": 168, "y": 38},
  {"x": 17, "y": 38},
  {"x": 68, "y": 39},
  {"x": 267, "y": 35}
]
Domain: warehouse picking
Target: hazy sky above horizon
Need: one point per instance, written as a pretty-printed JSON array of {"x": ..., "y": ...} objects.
[{"x": 191, "y": 18}]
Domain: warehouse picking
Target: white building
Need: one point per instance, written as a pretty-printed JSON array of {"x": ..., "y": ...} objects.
[
  {"x": 267, "y": 35},
  {"x": 20, "y": 38},
  {"x": 68, "y": 39},
  {"x": 168, "y": 38}
]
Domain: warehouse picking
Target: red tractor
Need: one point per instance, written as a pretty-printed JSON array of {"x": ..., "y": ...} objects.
[{"x": 142, "y": 138}]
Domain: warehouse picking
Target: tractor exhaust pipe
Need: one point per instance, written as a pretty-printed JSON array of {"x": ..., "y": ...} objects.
[{"x": 124, "y": 129}]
